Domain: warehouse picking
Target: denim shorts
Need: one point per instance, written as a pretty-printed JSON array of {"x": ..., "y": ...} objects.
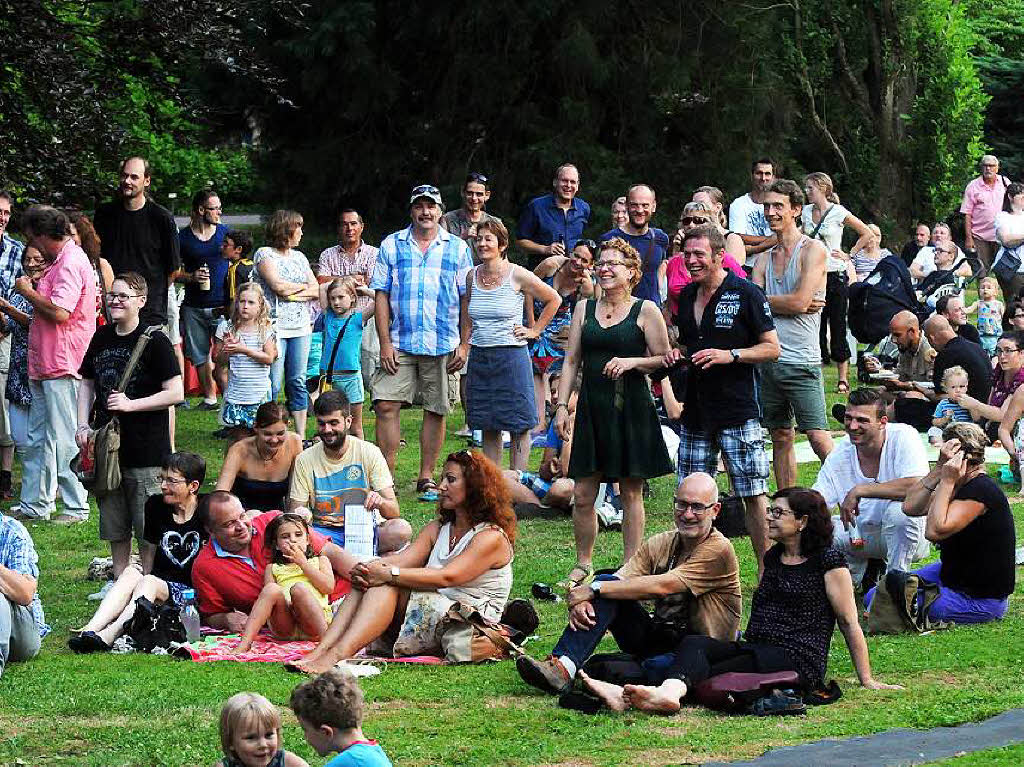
[{"x": 791, "y": 391}]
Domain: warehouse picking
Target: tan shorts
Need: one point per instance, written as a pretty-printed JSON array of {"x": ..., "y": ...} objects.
[{"x": 420, "y": 380}]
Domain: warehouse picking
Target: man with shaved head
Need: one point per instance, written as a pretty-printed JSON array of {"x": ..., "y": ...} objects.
[
  {"x": 983, "y": 199},
  {"x": 690, "y": 572},
  {"x": 650, "y": 242},
  {"x": 913, "y": 368},
  {"x": 954, "y": 350}
]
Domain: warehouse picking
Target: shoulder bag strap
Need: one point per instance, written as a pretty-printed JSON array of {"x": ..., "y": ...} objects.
[
  {"x": 337, "y": 343},
  {"x": 140, "y": 346},
  {"x": 821, "y": 221}
]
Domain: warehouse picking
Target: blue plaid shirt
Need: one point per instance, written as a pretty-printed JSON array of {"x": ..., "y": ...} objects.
[
  {"x": 10, "y": 264},
  {"x": 17, "y": 553},
  {"x": 424, "y": 290}
]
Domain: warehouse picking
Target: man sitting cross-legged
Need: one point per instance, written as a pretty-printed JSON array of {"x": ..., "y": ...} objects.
[{"x": 691, "y": 573}]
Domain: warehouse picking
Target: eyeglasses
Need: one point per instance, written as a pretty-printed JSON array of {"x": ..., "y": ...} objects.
[
  {"x": 120, "y": 298},
  {"x": 777, "y": 511},
  {"x": 698, "y": 220},
  {"x": 480, "y": 178},
  {"x": 609, "y": 264},
  {"x": 172, "y": 480},
  {"x": 700, "y": 509},
  {"x": 213, "y": 207},
  {"x": 1006, "y": 349}
]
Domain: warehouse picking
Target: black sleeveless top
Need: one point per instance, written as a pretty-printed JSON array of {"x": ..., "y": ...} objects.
[{"x": 260, "y": 494}]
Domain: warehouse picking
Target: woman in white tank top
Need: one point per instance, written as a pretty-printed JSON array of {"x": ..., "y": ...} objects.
[{"x": 464, "y": 556}]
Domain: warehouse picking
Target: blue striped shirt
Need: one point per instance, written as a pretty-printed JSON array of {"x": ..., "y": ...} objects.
[
  {"x": 18, "y": 554},
  {"x": 10, "y": 264},
  {"x": 424, "y": 290},
  {"x": 949, "y": 408}
]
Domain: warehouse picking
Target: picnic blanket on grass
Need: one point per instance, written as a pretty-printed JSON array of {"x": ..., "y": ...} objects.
[{"x": 266, "y": 649}]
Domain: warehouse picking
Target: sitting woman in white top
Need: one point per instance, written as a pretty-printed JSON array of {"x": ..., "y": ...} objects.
[{"x": 464, "y": 556}]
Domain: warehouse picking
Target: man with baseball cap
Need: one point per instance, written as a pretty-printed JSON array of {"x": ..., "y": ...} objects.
[{"x": 420, "y": 284}]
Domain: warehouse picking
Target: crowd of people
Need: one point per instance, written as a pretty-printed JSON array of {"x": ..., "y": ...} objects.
[{"x": 626, "y": 358}]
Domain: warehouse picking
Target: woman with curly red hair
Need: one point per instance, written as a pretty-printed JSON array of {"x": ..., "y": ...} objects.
[{"x": 464, "y": 556}]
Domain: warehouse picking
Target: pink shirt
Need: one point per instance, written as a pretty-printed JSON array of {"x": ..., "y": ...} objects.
[
  {"x": 56, "y": 350},
  {"x": 678, "y": 278},
  {"x": 983, "y": 202}
]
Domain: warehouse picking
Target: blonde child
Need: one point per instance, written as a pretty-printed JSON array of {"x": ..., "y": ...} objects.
[
  {"x": 342, "y": 326},
  {"x": 949, "y": 409},
  {"x": 250, "y": 734},
  {"x": 296, "y": 586},
  {"x": 245, "y": 346},
  {"x": 330, "y": 710},
  {"x": 990, "y": 314}
]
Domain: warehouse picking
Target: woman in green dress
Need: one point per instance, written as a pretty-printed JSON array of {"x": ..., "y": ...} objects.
[{"x": 616, "y": 436}]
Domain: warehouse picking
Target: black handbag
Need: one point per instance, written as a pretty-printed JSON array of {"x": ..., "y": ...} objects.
[{"x": 154, "y": 626}]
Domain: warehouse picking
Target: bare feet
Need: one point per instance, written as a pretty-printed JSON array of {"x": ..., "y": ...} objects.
[
  {"x": 316, "y": 665},
  {"x": 242, "y": 648},
  {"x": 610, "y": 694},
  {"x": 656, "y": 700}
]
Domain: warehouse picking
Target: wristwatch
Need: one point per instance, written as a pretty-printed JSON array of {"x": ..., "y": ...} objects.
[
  {"x": 595, "y": 586},
  {"x": 394, "y": 572},
  {"x": 735, "y": 354}
]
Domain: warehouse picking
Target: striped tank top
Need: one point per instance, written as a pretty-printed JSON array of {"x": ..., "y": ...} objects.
[{"x": 495, "y": 312}]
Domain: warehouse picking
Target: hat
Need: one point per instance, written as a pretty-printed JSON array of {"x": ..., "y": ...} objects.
[{"x": 426, "y": 190}]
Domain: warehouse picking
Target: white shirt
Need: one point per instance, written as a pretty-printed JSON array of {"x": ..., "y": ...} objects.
[
  {"x": 1009, "y": 226},
  {"x": 903, "y": 455},
  {"x": 747, "y": 217},
  {"x": 830, "y": 233}
]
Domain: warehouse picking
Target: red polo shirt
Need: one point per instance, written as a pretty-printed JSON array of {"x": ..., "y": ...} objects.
[{"x": 224, "y": 582}]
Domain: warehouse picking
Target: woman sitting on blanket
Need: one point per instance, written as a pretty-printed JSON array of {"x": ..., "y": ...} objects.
[
  {"x": 805, "y": 590},
  {"x": 463, "y": 556},
  {"x": 174, "y": 535}
]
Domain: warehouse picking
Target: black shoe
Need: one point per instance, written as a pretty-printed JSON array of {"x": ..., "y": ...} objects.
[
  {"x": 183, "y": 405},
  {"x": 520, "y": 616},
  {"x": 208, "y": 406},
  {"x": 223, "y": 432},
  {"x": 88, "y": 642},
  {"x": 779, "y": 703}
]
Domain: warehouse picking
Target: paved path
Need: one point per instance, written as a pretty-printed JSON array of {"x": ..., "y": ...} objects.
[
  {"x": 896, "y": 748},
  {"x": 246, "y": 219}
]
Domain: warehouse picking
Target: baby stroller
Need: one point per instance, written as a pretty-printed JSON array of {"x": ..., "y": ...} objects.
[
  {"x": 874, "y": 301},
  {"x": 944, "y": 282}
]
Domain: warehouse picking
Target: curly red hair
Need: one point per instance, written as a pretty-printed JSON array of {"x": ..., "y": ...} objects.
[{"x": 487, "y": 497}]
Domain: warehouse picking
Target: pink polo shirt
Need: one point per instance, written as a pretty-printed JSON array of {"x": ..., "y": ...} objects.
[
  {"x": 56, "y": 350},
  {"x": 983, "y": 202}
]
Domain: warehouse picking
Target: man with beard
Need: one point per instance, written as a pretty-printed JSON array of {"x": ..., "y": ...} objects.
[
  {"x": 462, "y": 221},
  {"x": 140, "y": 236},
  {"x": 324, "y": 473},
  {"x": 913, "y": 368},
  {"x": 746, "y": 213},
  {"x": 867, "y": 476},
  {"x": 420, "y": 284},
  {"x": 551, "y": 223},
  {"x": 651, "y": 243}
]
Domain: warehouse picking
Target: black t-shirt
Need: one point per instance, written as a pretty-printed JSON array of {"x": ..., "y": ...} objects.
[
  {"x": 909, "y": 252},
  {"x": 968, "y": 332},
  {"x": 978, "y": 560},
  {"x": 145, "y": 440},
  {"x": 972, "y": 358},
  {"x": 143, "y": 241},
  {"x": 176, "y": 544},
  {"x": 735, "y": 317}
]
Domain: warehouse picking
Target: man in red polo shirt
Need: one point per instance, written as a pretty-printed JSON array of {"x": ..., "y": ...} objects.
[{"x": 228, "y": 571}]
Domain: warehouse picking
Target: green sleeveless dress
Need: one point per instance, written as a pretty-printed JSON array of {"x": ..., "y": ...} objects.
[{"x": 616, "y": 432}]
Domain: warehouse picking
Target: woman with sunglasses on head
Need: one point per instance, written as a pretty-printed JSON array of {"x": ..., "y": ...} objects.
[
  {"x": 616, "y": 340},
  {"x": 805, "y": 591},
  {"x": 573, "y": 278},
  {"x": 463, "y": 556},
  {"x": 174, "y": 536},
  {"x": 714, "y": 201}
]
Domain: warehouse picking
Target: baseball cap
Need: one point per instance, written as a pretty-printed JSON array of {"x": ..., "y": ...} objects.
[{"x": 426, "y": 190}]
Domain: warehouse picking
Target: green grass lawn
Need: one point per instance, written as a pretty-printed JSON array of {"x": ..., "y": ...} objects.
[{"x": 63, "y": 709}]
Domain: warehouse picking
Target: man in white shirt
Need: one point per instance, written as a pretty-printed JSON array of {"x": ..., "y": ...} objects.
[
  {"x": 867, "y": 476},
  {"x": 746, "y": 213}
]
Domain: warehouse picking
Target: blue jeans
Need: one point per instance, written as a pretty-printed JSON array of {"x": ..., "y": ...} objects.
[
  {"x": 632, "y": 626},
  {"x": 952, "y": 605},
  {"x": 289, "y": 369}
]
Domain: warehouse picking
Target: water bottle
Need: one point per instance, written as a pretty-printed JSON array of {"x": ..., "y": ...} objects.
[
  {"x": 856, "y": 538},
  {"x": 190, "y": 616}
]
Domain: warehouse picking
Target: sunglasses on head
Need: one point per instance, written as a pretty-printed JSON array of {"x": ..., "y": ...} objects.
[{"x": 478, "y": 177}]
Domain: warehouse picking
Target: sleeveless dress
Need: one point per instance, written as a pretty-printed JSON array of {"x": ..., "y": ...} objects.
[
  {"x": 548, "y": 350},
  {"x": 616, "y": 432},
  {"x": 287, "y": 575},
  {"x": 261, "y": 494}
]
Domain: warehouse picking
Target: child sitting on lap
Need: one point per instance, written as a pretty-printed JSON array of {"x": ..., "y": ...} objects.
[
  {"x": 330, "y": 710},
  {"x": 250, "y": 734},
  {"x": 949, "y": 409}
]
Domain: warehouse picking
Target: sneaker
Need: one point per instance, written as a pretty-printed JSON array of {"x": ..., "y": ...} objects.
[
  {"x": 184, "y": 405},
  {"x": 98, "y": 596},
  {"x": 204, "y": 405},
  {"x": 68, "y": 519},
  {"x": 464, "y": 432},
  {"x": 547, "y": 675},
  {"x": 608, "y": 517},
  {"x": 541, "y": 440},
  {"x": 779, "y": 703},
  {"x": 223, "y": 432}
]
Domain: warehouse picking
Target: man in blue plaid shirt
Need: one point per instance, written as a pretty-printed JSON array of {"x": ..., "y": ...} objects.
[
  {"x": 21, "y": 613},
  {"x": 10, "y": 270},
  {"x": 420, "y": 284}
]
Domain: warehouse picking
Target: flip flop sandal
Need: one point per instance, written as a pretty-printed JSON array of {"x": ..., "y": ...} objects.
[
  {"x": 569, "y": 582},
  {"x": 426, "y": 490}
]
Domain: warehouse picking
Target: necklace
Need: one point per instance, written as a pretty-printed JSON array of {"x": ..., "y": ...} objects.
[
  {"x": 489, "y": 281},
  {"x": 610, "y": 308},
  {"x": 454, "y": 538},
  {"x": 265, "y": 458}
]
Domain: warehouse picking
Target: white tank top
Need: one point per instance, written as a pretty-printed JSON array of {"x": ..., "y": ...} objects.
[{"x": 489, "y": 591}]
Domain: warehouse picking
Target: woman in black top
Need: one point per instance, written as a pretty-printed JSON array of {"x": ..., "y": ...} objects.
[
  {"x": 969, "y": 519},
  {"x": 806, "y": 588},
  {"x": 176, "y": 535}
]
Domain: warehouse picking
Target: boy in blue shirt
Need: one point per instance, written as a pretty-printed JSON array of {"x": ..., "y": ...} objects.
[{"x": 330, "y": 709}]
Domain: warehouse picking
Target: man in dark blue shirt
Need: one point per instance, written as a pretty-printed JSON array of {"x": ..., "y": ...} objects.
[
  {"x": 552, "y": 223},
  {"x": 725, "y": 327},
  {"x": 650, "y": 243}
]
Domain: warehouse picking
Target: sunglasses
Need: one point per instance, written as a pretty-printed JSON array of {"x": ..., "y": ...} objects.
[
  {"x": 426, "y": 189},
  {"x": 585, "y": 243},
  {"x": 686, "y": 220},
  {"x": 480, "y": 178}
]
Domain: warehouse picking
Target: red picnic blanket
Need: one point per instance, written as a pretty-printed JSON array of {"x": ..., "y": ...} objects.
[{"x": 266, "y": 649}]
